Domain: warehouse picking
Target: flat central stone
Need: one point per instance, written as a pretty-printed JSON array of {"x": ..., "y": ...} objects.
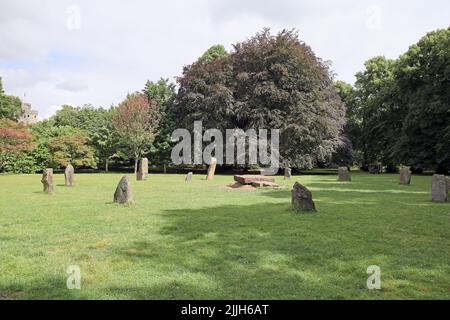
[{"x": 249, "y": 179}]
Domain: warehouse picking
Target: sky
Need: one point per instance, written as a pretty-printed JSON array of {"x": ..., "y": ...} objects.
[{"x": 55, "y": 52}]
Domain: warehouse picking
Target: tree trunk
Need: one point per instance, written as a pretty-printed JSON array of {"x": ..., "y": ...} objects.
[
  {"x": 135, "y": 165},
  {"x": 106, "y": 164},
  {"x": 165, "y": 169}
]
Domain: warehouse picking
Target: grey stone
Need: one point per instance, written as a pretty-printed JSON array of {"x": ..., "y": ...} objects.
[
  {"x": 265, "y": 184},
  {"x": 69, "y": 175},
  {"x": 302, "y": 199},
  {"x": 211, "y": 169},
  {"x": 142, "y": 170},
  {"x": 250, "y": 178},
  {"x": 344, "y": 174},
  {"x": 287, "y": 173},
  {"x": 448, "y": 188},
  {"x": 405, "y": 176},
  {"x": 47, "y": 180},
  {"x": 440, "y": 188},
  {"x": 188, "y": 177},
  {"x": 124, "y": 193}
]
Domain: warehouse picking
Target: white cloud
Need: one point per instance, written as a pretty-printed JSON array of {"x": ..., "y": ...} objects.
[
  {"x": 72, "y": 85},
  {"x": 78, "y": 52}
]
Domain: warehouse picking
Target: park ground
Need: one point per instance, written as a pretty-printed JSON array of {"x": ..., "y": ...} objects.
[{"x": 201, "y": 240}]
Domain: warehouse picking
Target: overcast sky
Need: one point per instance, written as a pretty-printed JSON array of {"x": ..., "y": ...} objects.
[{"x": 79, "y": 52}]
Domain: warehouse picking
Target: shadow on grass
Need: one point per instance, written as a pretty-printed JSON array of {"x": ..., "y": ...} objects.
[{"x": 263, "y": 251}]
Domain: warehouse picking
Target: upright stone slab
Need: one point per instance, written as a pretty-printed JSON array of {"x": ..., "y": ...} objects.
[
  {"x": 344, "y": 174},
  {"x": 124, "y": 193},
  {"x": 287, "y": 173},
  {"x": 440, "y": 188},
  {"x": 448, "y": 183},
  {"x": 69, "y": 175},
  {"x": 47, "y": 180},
  {"x": 142, "y": 172},
  {"x": 405, "y": 176},
  {"x": 211, "y": 169},
  {"x": 302, "y": 199},
  {"x": 188, "y": 177}
]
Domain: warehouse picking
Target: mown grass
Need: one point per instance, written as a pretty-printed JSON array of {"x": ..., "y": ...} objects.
[{"x": 203, "y": 241}]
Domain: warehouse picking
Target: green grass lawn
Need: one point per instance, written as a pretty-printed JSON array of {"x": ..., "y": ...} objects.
[{"x": 203, "y": 241}]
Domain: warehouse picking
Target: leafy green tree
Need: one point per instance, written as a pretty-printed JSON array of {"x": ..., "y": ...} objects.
[
  {"x": 86, "y": 118},
  {"x": 215, "y": 52},
  {"x": 163, "y": 93},
  {"x": 10, "y": 106},
  {"x": 106, "y": 141},
  {"x": 72, "y": 149},
  {"x": 378, "y": 111},
  {"x": 96, "y": 123},
  {"x": 424, "y": 80},
  {"x": 44, "y": 132}
]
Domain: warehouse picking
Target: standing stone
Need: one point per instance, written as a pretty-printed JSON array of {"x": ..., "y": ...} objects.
[
  {"x": 212, "y": 169},
  {"x": 448, "y": 183},
  {"x": 69, "y": 175},
  {"x": 375, "y": 168},
  {"x": 302, "y": 198},
  {"x": 123, "y": 192},
  {"x": 287, "y": 173},
  {"x": 440, "y": 188},
  {"x": 405, "y": 176},
  {"x": 47, "y": 180},
  {"x": 142, "y": 171},
  {"x": 344, "y": 174},
  {"x": 188, "y": 177}
]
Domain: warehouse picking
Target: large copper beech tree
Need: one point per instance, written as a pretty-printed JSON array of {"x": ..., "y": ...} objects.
[{"x": 270, "y": 82}]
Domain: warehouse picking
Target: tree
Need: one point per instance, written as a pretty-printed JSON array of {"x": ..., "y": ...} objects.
[
  {"x": 96, "y": 123},
  {"x": 213, "y": 53},
  {"x": 374, "y": 112},
  {"x": 73, "y": 149},
  {"x": 105, "y": 139},
  {"x": 86, "y": 118},
  {"x": 44, "y": 132},
  {"x": 272, "y": 82},
  {"x": 15, "y": 140},
  {"x": 163, "y": 93},
  {"x": 14, "y": 137},
  {"x": 10, "y": 106},
  {"x": 424, "y": 79},
  {"x": 136, "y": 121},
  {"x": 346, "y": 153}
]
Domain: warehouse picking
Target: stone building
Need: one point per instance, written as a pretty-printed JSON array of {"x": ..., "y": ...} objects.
[{"x": 28, "y": 116}]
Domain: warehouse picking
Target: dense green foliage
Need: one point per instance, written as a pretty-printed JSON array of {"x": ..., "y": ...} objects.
[
  {"x": 213, "y": 53},
  {"x": 399, "y": 110},
  {"x": 163, "y": 94},
  {"x": 10, "y": 106},
  {"x": 424, "y": 80}
]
